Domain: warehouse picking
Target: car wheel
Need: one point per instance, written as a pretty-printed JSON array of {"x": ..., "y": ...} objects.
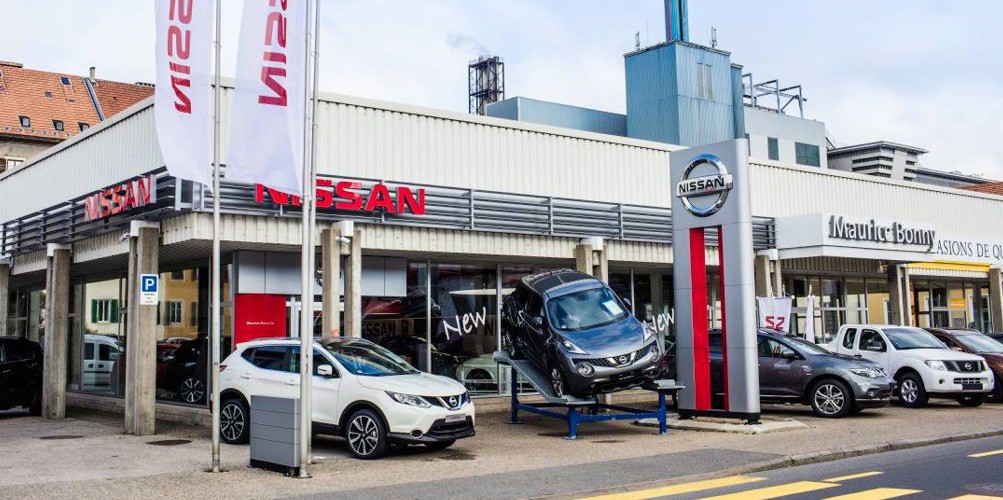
[
  {"x": 912, "y": 394},
  {"x": 972, "y": 400},
  {"x": 997, "y": 395},
  {"x": 35, "y": 408},
  {"x": 831, "y": 398},
  {"x": 557, "y": 381},
  {"x": 366, "y": 436},
  {"x": 440, "y": 445},
  {"x": 480, "y": 380},
  {"x": 192, "y": 390},
  {"x": 234, "y": 421},
  {"x": 509, "y": 344}
]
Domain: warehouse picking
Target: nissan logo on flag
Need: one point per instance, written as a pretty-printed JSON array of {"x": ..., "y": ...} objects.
[{"x": 704, "y": 185}]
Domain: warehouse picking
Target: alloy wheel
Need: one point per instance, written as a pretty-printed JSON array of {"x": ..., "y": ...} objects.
[
  {"x": 232, "y": 421},
  {"x": 829, "y": 398},
  {"x": 192, "y": 390},
  {"x": 557, "y": 380},
  {"x": 363, "y": 435},
  {"x": 909, "y": 391}
]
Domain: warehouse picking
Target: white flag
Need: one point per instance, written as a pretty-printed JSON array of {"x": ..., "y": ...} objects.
[
  {"x": 775, "y": 313},
  {"x": 183, "y": 108},
  {"x": 267, "y": 120},
  {"x": 809, "y": 315}
]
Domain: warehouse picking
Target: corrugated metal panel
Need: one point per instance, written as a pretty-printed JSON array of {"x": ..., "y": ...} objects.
[
  {"x": 121, "y": 149},
  {"x": 29, "y": 262},
  {"x": 836, "y": 265},
  {"x": 780, "y": 191},
  {"x": 559, "y": 115},
  {"x": 99, "y": 247},
  {"x": 948, "y": 273},
  {"x": 652, "y": 106}
]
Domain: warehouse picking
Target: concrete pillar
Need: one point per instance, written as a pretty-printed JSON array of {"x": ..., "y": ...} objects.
[
  {"x": 353, "y": 286},
  {"x": 583, "y": 259},
  {"x": 778, "y": 278},
  {"x": 57, "y": 308},
  {"x": 4, "y": 297},
  {"x": 330, "y": 257},
  {"x": 996, "y": 298},
  {"x": 141, "y": 337},
  {"x": 898, "y": 295},
  {"x": 907, "y": 316},
  {"x": 591, "y": 258}
]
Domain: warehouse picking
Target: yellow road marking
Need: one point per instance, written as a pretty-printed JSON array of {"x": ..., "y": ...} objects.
[
  {"x": 986, "y": 454},
  {"x": 677, "y": 489},
  {"x": 852, "y": 476},
  {"x": 975, "y": 497},
  {"x": 777, "y": 491},
  {"x": 876, "y": 494}
]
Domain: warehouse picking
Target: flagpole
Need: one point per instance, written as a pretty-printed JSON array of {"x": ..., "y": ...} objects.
[
  {"x": 307, "y": 264},
  {"x": 214, "y": 341}
]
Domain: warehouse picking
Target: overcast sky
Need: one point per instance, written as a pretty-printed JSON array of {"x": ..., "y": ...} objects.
[{"x": 921, "y": 72}]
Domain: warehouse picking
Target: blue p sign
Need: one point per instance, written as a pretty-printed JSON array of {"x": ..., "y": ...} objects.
[{"x": 148, "y": 283}]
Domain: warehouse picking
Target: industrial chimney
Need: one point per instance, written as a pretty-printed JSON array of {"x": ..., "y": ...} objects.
[{"x": 676, "y": 24}]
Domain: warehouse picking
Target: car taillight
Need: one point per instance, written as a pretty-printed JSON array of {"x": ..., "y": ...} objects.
[{"x": 221, "y": 368}]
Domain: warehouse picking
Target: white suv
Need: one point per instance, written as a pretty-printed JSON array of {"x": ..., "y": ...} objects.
[
  {"x": 922, "y": 365},
  {"x": 361, "y": 391}
]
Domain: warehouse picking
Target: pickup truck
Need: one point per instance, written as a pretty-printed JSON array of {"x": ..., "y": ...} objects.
[{"x": 923, "y": 366}]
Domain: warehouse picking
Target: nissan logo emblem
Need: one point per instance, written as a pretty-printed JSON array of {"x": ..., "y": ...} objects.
[
  {"x": 968, "y": 366},
  {"x": 623, "y": 360},
  {"x": 452, "y": 401},
  {"x": 701, "y": 192}
]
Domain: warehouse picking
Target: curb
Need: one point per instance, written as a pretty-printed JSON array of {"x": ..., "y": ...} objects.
[{"x": 792, "y": 461}]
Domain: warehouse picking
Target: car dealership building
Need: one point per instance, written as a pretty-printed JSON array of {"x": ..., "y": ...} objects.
[{"x": 427, "y": 218}]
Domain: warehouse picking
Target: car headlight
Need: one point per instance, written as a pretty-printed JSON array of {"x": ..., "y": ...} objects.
[
  {"x": 586, "y": 369},
  {"x": 937, "y": 365},
  {"x": 572, "y": 348},
  {"x": 649, "y": 332},
  {"x": 409, "y": 399},
  {"x": 868, "y": 372}
]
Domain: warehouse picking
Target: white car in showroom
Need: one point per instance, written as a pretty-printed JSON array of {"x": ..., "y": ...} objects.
[
  {"x": 922, "y": 366},
  {"x": 361, "y": 391}
]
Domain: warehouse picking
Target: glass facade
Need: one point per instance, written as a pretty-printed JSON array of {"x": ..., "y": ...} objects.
[{"x": 945, "y": 304}]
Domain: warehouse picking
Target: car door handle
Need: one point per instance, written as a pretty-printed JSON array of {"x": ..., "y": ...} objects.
[
  {"x": 291, "y": 382},
  {"x": 90, "y": 365},
  {"x": 245, "y": 377}
]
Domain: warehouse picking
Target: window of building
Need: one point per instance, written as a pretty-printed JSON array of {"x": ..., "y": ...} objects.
[
  {"x": 48, "y": 93},
  {"x": 194, "y": 316},
  {"x": 65, "y": 80},
  {"x": 58, "y": 125},
  {"x": 177, "y": 275},
  {"x": 83, "y": 126},
  {"x": 773, "y": 148},
  {"x": 104, "y": 310},
  {"x": 705, "y": 81},
  {"x": 174, "y": 313},
  {"x": 25, "y": 121},
  {"x": 807, "y": 154}
]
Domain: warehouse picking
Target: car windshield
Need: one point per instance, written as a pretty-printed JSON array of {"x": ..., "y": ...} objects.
[
  {"x": 912, "y": 338},
  {"x": 803, "y": 344},
  {"x": 585, "y": 309},
  {"x": 980, "y": 343},
  {"x": 368, "y": 359}
]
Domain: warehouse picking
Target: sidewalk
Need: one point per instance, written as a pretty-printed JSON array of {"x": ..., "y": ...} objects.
[{"x": 43, "y": 459}]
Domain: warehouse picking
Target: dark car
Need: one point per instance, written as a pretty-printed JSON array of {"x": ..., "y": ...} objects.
[
  {"x": 577, "y": 330},
  {"x": 187, "y": 367},
  {"x": 20, "y": 375},
  {"x": 975, "y": 342},
  {"x": 997, "y": 336},
  {"x": 793, "y": 370}
]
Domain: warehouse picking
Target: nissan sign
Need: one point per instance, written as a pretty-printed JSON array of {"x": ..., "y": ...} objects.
[{"x": 704, "y": 186}]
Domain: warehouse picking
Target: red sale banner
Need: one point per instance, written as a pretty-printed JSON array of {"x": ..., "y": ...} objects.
[{"x": 257, "y": 316}]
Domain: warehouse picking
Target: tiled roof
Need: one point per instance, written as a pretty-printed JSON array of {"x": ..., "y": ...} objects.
[
  {"x": 990, "y": 188},
  {"x": 44, "y": 96}
]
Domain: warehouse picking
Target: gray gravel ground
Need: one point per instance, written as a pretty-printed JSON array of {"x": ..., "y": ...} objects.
[{"x": 501, "y": 461}]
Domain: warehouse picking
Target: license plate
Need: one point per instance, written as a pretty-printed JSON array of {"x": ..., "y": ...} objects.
[
  {"x": 971, "y": 387},
  {"x": 455, "y": 418}
]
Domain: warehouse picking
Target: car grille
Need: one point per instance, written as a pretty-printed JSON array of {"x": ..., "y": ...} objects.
[
  {"x": 615, "y": 361},
  {"x": 441, "y": 430},
  {"x": 968, "y": 380},
  {"x": 965, "y": 366},
  {"x": 444, "y": 401}
]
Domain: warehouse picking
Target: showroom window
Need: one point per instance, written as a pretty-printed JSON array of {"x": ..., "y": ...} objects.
[
  {"x": 651, "y": 299},
  {"x": 838, "y": 301}
]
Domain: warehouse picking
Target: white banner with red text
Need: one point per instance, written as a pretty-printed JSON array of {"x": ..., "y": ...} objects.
[
  {"x": 183, "y": 104},
  {"x": 775, "y": 313},
  {"x": 268, "y": 106}
]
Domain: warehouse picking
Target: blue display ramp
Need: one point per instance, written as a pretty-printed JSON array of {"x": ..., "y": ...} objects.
[{"x": 578, "y": 410}]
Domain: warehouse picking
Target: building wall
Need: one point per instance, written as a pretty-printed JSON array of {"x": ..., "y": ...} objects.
[
  {"x": 891, "y": 163},
  {"x": 19, "y": 150},
  {"x": 760, "y": 125},
  {"x": 559, "y": 115}
]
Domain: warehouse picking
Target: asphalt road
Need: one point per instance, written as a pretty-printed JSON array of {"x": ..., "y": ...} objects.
[{"x": 967, "y": 469}]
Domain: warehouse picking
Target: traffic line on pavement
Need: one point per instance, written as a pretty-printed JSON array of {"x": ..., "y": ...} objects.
[
  {"x": 986, "y": 454},
  {"x": 776, "y": 491},
  {"x": 876, "y": 494},
  {"x": 975, "y": 497},
  {"x": 852, "y": 476},
  {"x": 677, "y": 489}
]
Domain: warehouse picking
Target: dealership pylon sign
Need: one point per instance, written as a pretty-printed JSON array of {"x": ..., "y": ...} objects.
[{"x": 710, "y": 192}]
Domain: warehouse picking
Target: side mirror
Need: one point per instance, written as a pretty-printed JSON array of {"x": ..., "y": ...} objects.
[
  {"x": 538, "y": 321},
  {"x": 957, "y": 349},
  {"x": 789, "y": 355},
  {"x": 626, "y": 301},
  {"x": 325, "y": 371}
]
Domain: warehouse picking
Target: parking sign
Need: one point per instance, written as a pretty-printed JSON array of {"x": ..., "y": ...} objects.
[{"x": 149, "y": 287}]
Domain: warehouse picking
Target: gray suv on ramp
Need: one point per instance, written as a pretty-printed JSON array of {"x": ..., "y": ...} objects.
[{"x": 795, "y": 371}]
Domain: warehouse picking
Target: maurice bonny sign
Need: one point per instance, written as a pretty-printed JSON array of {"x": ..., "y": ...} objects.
[
  {"x": 350, "y": 196},
  {"x": 121, "y": 198},
  {"x": 909, "y": 234}
]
